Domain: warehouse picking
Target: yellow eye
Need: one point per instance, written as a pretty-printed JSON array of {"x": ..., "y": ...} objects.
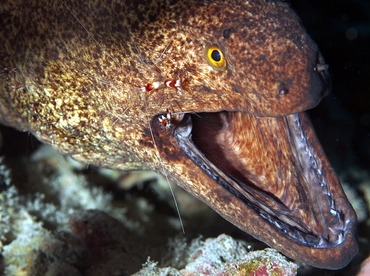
[{"x": 215, "y": 58}]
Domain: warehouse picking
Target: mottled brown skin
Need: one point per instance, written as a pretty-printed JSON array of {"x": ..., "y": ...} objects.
[{"x": 71, "y": 74}]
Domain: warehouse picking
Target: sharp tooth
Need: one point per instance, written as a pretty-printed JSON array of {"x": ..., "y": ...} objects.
[
  {"x": 277, "y": 223},
  {"x": 322, "y": 241},
  {"x": 340, "y": 237},
  {"x": 333, "y": 212},
  {"x": 264, "y": 215}
]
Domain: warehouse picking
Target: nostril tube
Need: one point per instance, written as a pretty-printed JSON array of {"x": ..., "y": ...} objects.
[{"x": 321, "y": 67}]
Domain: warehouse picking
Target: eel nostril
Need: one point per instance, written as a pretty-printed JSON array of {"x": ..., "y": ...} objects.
[
  {"x": 322, "y": 70},
  {"x": 321, "y": 67}
]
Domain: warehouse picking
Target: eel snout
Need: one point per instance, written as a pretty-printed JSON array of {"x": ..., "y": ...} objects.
[{"x": 279, "y": 178}]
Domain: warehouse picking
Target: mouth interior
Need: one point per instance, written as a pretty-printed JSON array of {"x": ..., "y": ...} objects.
[{"x": 270, "y": 164}]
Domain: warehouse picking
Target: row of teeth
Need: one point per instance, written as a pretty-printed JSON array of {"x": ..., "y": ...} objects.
[
  {"x": 307, "y": 239},
  {"x": 304, "y": 238},
  {"x": 323, "y": 185}
]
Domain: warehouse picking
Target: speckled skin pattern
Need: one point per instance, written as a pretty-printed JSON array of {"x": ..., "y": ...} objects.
[{"x": 71, "y": 73}]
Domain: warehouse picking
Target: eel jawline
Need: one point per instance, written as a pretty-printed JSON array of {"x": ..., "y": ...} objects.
[{"x": 276, "y": 167}]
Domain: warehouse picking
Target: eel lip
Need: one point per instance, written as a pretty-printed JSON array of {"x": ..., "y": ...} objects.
[{"x": 276, "y": 167}]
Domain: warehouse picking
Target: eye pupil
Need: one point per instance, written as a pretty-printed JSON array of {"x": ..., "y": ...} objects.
[{"x": 216, "y": 55}]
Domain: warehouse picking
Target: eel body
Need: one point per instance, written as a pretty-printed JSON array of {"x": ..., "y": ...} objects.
[{"x": 210, "y": 93}]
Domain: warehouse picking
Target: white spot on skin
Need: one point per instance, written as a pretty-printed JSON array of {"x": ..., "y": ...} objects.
[{"x": 58, "y": 102}]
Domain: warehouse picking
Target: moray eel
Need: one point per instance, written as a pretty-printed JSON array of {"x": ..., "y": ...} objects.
[{"x": 211, "y": 94}]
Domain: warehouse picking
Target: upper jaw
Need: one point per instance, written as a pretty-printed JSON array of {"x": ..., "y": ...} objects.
[{"x": 278, "y": 177}]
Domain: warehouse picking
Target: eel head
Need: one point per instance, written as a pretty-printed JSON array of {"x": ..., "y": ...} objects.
[{"x": 250, "y": 152}]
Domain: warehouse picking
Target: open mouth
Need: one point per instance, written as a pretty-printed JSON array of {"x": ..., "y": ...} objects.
[{"x": 275, "y": 166}]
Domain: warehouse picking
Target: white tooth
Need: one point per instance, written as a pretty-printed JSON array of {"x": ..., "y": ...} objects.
[{"x": 340, "y": 237}]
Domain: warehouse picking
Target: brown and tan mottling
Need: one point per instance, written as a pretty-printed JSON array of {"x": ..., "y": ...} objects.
[{"x": 71, "y": 74}]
